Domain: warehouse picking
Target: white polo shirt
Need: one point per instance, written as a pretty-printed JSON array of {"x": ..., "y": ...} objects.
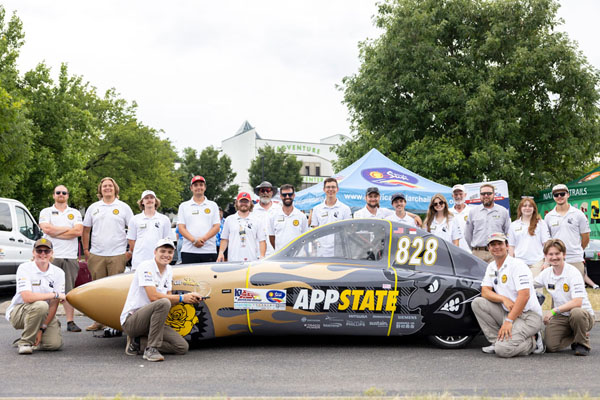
[
  {"x": 324, "y": 214},
  {"x": 146, "y": 274},
  {"x": 31, "y": 278},
  {"x": 380, "y": 214},
  {"x": 407, "y": 220},
  {"x": 565, "y": 287},
  {"x": 108, "y": 222},
  {"x": 146, "y": 231},
  {"x": 244, "y": 235},
  {"x": 286, "y": 228},
  {"x": 447, "y": 230},
  {"x": 529, "y": 249},
  {"x": 514, "y": 275},
  {"x": 264, "y": 215},
  {"x": 569, "y": 228},
  {"x": 198, "y": 220},
  {"x": 63, "y": 248},
  {"x": 461, "y": 220}
]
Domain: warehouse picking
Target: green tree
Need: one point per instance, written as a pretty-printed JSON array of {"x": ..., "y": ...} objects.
[
  {"x": 279, "y": 168},
  {"x": 467, "y": 90},
  {"x": 215, "y": 169}
]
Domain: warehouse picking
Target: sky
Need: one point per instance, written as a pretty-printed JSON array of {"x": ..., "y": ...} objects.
[{"x": 199, "y": 69}]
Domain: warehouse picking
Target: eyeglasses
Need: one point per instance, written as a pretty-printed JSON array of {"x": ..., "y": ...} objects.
[
  {"x": 287, "y": 194},
  {"x": 43, "y": 251},
  {"x": 330, "y": 187},
  {"x": 59, "y": 192},
  {"x": 560, "y": 194},
  {"x": 438, "y": 203},
  {"x": 487, "y": 193},
  {"x": 264, "y": 190}
]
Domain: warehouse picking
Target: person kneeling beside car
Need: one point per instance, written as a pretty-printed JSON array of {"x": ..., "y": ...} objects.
[
  {"x": 40, "y": 287},
  {"x": 148, "y": 303}
]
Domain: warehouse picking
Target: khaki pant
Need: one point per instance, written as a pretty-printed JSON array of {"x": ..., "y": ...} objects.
[
  {"x": 150, "y": 321},
  {"x": 484, "y": 255},
  {"x": 580, "y": 267},
  {"x": 71, "y": 268},
  {"x": 29, "y": 317},
  {"x": 103, "y": 266},
  {"x": 562, "y": 331},
  {"x": 491, "y": 316}
]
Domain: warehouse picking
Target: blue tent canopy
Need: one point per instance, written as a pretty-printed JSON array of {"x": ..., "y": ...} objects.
[{"x": 375, "y": 169}]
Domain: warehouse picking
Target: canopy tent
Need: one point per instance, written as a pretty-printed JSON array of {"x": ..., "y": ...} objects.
[
  {"x": 584, "y": 193},
  {"x": 375, "y": 169}
]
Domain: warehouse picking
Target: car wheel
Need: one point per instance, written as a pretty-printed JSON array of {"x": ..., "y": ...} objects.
[{"x": 450, "y": 342}]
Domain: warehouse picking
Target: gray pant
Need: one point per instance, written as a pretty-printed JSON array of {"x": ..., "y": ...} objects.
[
  {"x": 29, "y": 317},
  {"x": 71, "y": 268},
  {"x": 491, "y": 316},
  {"x": 150, "y": 321},
  {"x": 561, "y": 330}
]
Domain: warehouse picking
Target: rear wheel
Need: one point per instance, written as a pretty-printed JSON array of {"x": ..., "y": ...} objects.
[{"x": 450, "y": 342}]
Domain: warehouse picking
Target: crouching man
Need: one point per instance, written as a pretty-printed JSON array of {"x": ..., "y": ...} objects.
[
  {"x": 572, "y": 317},
  {"x": 40, "y": 287},
  {"x": 148, "y": 303},
  {"x": 508, "y": 310}
]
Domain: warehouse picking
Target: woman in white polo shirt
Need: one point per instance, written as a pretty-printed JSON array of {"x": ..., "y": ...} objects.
[{"x": 440, "y": 221}]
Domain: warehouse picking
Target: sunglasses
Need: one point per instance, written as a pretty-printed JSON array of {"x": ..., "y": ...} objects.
[
  {"x": 58, "y": 192},
  {"x": 560, "y": 194},
  {"x": 43, "y": 251},
  {"x": 264, "y": 190},
  {"x": 287, "y": 194},
  {"x": 487, "y": 193},
  {"x": 438, "y": 203}
]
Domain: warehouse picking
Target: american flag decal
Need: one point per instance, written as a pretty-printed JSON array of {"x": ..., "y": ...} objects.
[{"x": 399, "y": 230}]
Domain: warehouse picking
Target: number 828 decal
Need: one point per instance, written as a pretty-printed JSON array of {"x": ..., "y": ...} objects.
[{"x": 429, "y": 256}]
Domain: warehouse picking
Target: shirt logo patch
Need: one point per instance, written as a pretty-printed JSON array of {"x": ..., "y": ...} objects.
[
  {"x": 70, "y": 216},
  {"x": 207, "y": 211},
  {"x": 296, "y": 222},
  {"x": 504, "y": 278},
  {"x": 116, "y": 211},
  {"x": 566, "y": 287}
]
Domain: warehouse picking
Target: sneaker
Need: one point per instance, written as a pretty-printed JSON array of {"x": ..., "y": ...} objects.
[
  {"x": 540, "y": 347},
  {"x": 152, "y": 354},
  {"x": 72, "y": 327},
  {"x": 581, "y": 350},
  {"x": 133, "y": 346},
  {"x": 25, "y": 349},
  {"x": 491, "y": 349},
  {"x": 96, "y": 326}
]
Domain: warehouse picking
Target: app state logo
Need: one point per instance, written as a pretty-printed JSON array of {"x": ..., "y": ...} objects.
[
  {"x": 566, "y": 287},
  {"x": 116, "y": 211},
  {"x": 504, "y": 278}
]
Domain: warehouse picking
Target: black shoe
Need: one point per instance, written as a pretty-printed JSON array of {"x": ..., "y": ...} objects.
[
  {"x": 133, "y": 346},
  {"x": 72, "y": 327},
  {"x": 581, "y": 350}
]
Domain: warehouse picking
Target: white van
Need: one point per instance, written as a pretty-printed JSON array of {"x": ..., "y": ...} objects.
[{"x": 18, "y": 232}]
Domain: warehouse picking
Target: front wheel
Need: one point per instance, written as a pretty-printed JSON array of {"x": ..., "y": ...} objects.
[{"x": 450, "y": 342}]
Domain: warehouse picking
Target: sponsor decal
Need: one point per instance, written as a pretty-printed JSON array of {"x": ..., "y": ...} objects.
[
  {"x": 355, "y": 323},
  {"x": 296, "y": 222},
  {"x": 70, "y": 216},
  {"x": 504, "y": 278},
  {"x": 207, "y": 211},
  {"x": 566, "y": 287},
  {"x": 389, "y": 177},
  {"x": 259, "y": 299},
  {"x": 276, "y": 296},
  {"x": 116, "y": 211},
  {"x": 399, "y": 230},
  {"x": 405, "y": 325},
  {"x": 349, "y": 299},
  {"x": 387, "y": 286},
  {"x": 379, "y": 324},
  {"x": 312, "y": 326},
  {"x": 412, "y": 231},
  {"x": 332, "y": 325},
  {"x": 2, "y": 253}
]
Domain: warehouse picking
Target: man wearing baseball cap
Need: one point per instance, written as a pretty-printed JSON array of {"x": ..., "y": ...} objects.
[
  {"x": 372, "y": 208},
  {"x": 198, "y": 222},
  {"x": 146, "y": 228},
  {"x": 508, "y": 310},
  {"x": 401, "y": 215},
  {"x": 265, "y": 208},
  {"x": 570, "y": 225},
  {"x": 460, "y": 210},
  {"x": 148, "y": 303},
  {"x": 243, "y": 232}
]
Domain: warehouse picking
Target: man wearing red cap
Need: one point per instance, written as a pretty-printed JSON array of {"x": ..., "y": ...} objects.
[
  {"x": 243, "y": 233},
  {"x": 198, "y": 222}
]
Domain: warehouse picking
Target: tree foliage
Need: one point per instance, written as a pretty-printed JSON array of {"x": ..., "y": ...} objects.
[
  {"x": 279, "y": 168},
  {"x": 471, "y": 90}
]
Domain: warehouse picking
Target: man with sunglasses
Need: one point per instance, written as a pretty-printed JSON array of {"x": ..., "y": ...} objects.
[
  {"x": 460, "y": 210},
  {"x": 570, "y": 225},
  {"x": 372, "y": 209},
  {"x": 483, "y": 220},
  {"x": 63, "y": 225},
  {"x": 265, "y": 208},
  {"x": 287, "y": 223}
]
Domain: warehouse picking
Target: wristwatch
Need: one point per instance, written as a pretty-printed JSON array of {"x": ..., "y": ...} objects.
[{"x": 43, "y": 328}]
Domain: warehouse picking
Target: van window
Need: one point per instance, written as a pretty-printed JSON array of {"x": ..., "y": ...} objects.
[
  {"x": 25, "y": 223},
  {"x": 5, "y": 219}
]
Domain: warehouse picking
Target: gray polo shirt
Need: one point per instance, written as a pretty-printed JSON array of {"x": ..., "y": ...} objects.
[{"x": 482, "y": 222}]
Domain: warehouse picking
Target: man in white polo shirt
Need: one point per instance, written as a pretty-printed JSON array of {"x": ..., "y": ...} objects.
[
  {"x": 570, "y": 225},
  {"x": 401, "y": 215},
  {"x": 287, "y": 223},
  {"x": 198, "y": 221},
  {"x": 107, "y": 221},
  {"x": 461, "y": 210},
  {"x": 372, "y": 209},
  {"x": 63, "y": 225},
  {"x": 243, "y": 233},
  {"x": 146, "y": 228},
  {"x": 265, "y": 208}
]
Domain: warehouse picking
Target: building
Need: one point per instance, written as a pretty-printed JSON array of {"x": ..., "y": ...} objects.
[{"x": 316, "y": 158}]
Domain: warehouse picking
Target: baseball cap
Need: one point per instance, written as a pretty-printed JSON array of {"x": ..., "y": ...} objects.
[
  {"x": 372, "y": 189},
  {"x": 561, "y": 187},
  {"x": 42, "y": 242},
  {"x": 146, "y": 193},
  {"x": 497, "y": 236},
  {"x": 198, "y": 178},
  {"x": 396, "y": 196},
  {"x": 244, "y": 195},
  {"x": 164, "y": 242},
  {"x": 459, "y": 187}
]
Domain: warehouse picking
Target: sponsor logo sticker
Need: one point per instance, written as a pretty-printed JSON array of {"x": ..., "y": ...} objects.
[{"x": 259, "y": 299}]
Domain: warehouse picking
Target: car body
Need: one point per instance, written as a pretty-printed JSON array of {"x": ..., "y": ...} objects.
[
  {"x": 591, "y": 255},
  {"x": 353, "y": 277}
]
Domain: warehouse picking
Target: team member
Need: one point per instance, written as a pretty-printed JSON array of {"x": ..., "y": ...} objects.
[
  {"x": 331, "y": 209},
  {"x": 245, "y": 233},
  {"x": 287, "y": 223},
  {"x": 372, "y": 208},
  {"x": 63, "y": 225},
  {"x": 198, "y": 221},
  {"x": 572, "y": 317},
  {"x": 40, "y": 286},
  {"x": 265, "y": 208},
  {"x": 460, "y": 210},
  {"x": 527, "y": 235},
  {"x": 148, "y": 303},
  {"x": 483, "y": 220},
  {"x": 146, "y": 228},
  {"x": 401, "y": 215},
  {"x": 440, "y": 221},
  {"x": 107, "y": 220},
  {"x": 508, "y": 311},
  {"x": 570, "y": 225}
]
